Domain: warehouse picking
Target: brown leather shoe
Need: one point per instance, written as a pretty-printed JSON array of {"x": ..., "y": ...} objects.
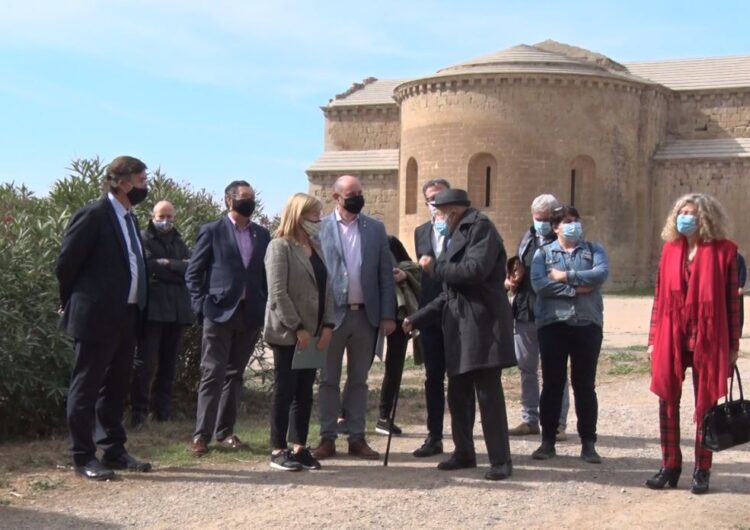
[
  {"x": 524, "y": 429},
  {"x": 198, "y": 446},
  {"x": 360, "y": 449},
  {"x": 231, "y": 442},
  {"x": 326, "y": 449}
]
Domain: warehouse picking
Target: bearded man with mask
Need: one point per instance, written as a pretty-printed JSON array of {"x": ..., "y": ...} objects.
[
  {"x": 167, "y": 315},
  {"x": 103, "y": 295},
  {"x": 226, "y": 278},
  {"x": 477, "y": 329},
  {"x": 359, "y": 262}
]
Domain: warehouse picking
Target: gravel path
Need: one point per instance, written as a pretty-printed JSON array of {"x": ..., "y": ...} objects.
[{"x": 564, "y": 492}]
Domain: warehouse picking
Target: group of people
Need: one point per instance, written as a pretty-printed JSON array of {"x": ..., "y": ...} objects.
[{"x": 341, "y": 284}]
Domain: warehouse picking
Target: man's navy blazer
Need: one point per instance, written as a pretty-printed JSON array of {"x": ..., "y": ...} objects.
[
  {"x": 93, "y": 271},
  {"x": 216, "y": 276},
  {"x": 431, "y": 288}
]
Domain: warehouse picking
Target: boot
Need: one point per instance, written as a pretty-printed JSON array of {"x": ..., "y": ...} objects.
[
  {"x": 544, "y": 451},
  {"x": 588, "y": 452},
  {"x": 666, "y": 475}
]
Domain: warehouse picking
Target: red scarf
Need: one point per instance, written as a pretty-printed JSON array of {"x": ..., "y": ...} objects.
[{"x": 700, "y": 304}]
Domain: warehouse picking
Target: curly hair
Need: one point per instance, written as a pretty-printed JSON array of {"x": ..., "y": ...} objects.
[{"x": 713, "y": 221}]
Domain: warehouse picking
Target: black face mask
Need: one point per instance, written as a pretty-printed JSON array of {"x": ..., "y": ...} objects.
[
  {"x": 137, "y": 195},
  {"x": 244, "y": 207},
  {"x": 354, "y": 204}
]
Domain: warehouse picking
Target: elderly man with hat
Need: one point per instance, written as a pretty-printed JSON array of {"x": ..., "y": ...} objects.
[{"x": 478, "y": 329}]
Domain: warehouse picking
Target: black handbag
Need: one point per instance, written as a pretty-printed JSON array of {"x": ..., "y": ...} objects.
[{"x": 727, "y": 424}]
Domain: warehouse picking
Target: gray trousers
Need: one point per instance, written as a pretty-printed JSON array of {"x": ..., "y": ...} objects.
[
  {"x": 527, "y": 355},
  {"x": 226, "y": 350},
  {"x": 357, "y": 336}
]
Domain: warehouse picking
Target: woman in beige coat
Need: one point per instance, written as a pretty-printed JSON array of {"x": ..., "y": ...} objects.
[{"x": 299, "y": 310}]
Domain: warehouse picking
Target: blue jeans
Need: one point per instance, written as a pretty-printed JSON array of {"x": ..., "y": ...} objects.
[{"x": 527, "y": 355}]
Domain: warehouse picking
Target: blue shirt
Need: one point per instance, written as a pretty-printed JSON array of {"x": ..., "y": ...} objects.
[{"x": 586, "y": 265}]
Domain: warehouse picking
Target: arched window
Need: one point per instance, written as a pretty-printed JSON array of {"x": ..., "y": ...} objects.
[
  {"x": 482, "y": 181},
  {"x": 583, "y": 185},
  {"x": 410, "y": 195}
]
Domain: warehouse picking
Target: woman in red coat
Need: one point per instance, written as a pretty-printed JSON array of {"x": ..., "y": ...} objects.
[{"x": 694, "y": 323}]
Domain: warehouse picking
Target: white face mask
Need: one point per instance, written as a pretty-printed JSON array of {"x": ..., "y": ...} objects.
[{"x": 311, "y": 227}]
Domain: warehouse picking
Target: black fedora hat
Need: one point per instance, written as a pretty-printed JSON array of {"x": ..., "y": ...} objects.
[{"x": 451, "y": 196}]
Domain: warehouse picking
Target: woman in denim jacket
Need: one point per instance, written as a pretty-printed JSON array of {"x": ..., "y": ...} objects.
[{"x": 567, "y": 275}]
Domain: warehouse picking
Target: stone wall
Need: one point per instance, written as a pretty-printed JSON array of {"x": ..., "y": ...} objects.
[
  {"x": 724, "y": 179},
  {"x": 535, "y": 127},
  {"x": 362, "y": 128},
  {"x": 380, "y": 191},
  {"x": 717, "y": 114}
]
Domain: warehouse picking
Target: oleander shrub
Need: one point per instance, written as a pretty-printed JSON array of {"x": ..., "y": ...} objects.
[{"x": 35, "y": 356}]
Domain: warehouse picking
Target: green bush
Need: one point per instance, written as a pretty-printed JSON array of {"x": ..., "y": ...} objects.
[{"x": 35, "y": 357}]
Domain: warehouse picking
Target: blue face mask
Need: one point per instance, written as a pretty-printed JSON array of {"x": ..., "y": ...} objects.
[
  {"x": 543, "y": 228},
  {"x": 441, "y": 225},
  {"x": 572, "y": 231},
  {"x": 687, "y": 224}
]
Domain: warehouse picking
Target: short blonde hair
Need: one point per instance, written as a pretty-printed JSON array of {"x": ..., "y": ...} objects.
[
  {"x": 713, "y": 221},
  {"x": 296, "y": 206}
]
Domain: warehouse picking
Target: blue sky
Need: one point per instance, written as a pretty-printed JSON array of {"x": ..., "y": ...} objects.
[{"x": 212, "y": 91}]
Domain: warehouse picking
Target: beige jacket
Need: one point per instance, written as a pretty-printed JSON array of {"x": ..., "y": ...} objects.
[{"x": 292, "y": 293}]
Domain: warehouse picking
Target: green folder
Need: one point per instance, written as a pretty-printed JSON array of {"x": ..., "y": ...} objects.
[{"x": 310, "y": 357}]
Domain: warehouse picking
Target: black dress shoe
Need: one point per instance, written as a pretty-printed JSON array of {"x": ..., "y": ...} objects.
[
  {"x": 500, "y": 472},
  {"x": 666, "y": 475},
  {"x": 430, "y": 447},
  {"x": 95, "y": 470},
  {"x": 545, "y": 451},
  {"x": 127, "y": 462},
  {"x": 457, "y": 462},
  {"x": 700, "y": 481}
]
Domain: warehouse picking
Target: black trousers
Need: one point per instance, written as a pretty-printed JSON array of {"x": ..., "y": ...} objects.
[
  {"x": 157, "y": 352},
  {"x": 394, "y": 368},
  {"x": 99, "y": 386},
  {"x": 557, "y": 342},
  {"x": 291, "y": 404},
  {"x": 488, "y": 387},
  {"x": 434, "y": 384},
  {"x": 226, "y": 349}
]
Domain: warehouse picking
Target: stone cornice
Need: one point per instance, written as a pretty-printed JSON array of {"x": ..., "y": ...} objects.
[
  {"x": 328, "y": 177},
  {"x": 357, "y": 110},
  {"x": 713, "y": 93},
  {"x": 468, "y": 81}
]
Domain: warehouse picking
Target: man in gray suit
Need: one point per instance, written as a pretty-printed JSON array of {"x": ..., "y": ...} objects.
[{"x": 361, "y": 270}]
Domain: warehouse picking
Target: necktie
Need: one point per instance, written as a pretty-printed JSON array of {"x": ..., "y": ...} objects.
[{"x": 136, "y": 247}]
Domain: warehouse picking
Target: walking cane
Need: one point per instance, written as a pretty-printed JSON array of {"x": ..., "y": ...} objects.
[{"x": 392, "y": 420}]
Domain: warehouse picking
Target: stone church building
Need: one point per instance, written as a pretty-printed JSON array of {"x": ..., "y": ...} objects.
[{"x": 619, "y": 141}]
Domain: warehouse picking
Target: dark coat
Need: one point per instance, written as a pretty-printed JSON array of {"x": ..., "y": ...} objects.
[
  {"x": 169, "y": 300},
  {"x": 94, "y": 274},
  {"x": 216, "y": 276},
  {"x": 525, "y": 298},
  {"x": 476, "y": 315}
]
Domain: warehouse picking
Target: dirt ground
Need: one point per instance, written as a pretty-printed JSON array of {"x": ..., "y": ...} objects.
[{"x": 564, "y": 492}]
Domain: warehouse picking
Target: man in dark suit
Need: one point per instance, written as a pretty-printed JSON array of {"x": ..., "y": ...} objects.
[
  {"x": 428, "y": 241},
  {"x": 103, "y": 293},
  {"x": 226, "y": 278},
  {"x": 168, "y": 313},
  {"x": 478, "y": 330}
]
